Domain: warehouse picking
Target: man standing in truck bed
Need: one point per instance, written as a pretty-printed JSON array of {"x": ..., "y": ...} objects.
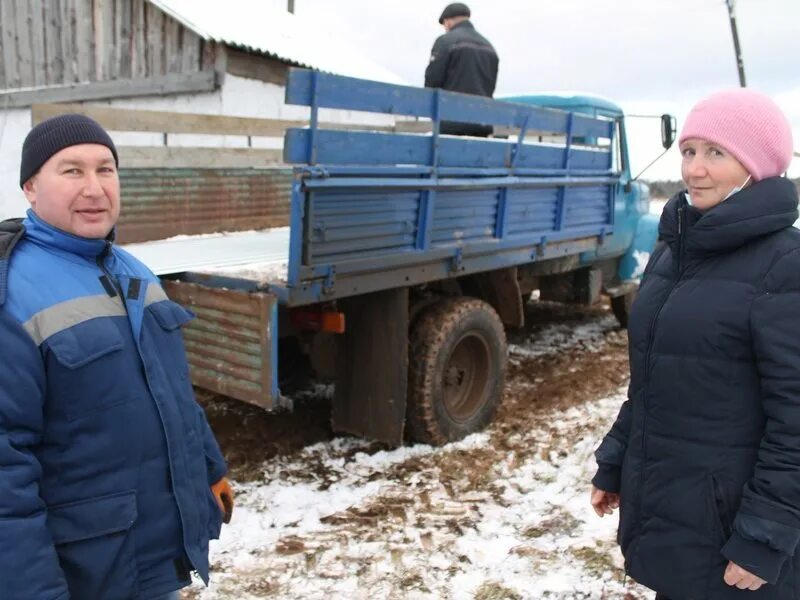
[{"x": 462, "y": 60}]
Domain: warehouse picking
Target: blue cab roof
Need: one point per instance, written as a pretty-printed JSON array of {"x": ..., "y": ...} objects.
[{"x": 591, "y": 105}]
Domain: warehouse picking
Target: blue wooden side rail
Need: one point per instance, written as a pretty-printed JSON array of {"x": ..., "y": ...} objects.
[{"x": 377, "y": 210}]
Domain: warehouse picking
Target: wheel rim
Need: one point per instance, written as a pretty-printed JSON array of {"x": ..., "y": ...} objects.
[{"x": 466, "y": 377}]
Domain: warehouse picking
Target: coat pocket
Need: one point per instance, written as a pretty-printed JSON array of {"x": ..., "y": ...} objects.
[
  {"x": 94, "y": 545},
  {"x": 720, "y": 508},
  {"x": 89, "y": 360},
  {"x": 171, "y": 317}
]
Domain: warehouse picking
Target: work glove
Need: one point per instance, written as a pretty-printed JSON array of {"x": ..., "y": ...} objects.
[{"x": 224, "y": 494}]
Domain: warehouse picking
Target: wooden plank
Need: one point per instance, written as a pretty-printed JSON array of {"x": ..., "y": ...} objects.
[
  {"x": 369, "y": 148},
  {"x": 208, "y": 55},
  {"x": 191, "y": 45},
  {"x": 122, "y": 119},
  {"x": 123, "y": 21},
  {"x": 54, "y": 61},
  {"x": 108, "y": 51},
  {"x": 139, "y": 44},
  {"x": 413, "y": 126},
  {"x": 261, "y": 68},
  {"x": 155, "y": 37},
  {"x": 8, "y": 18},
  {"x": 68, "y": 42},
  {"x": 88, "y": 34},
  {"x": 101, "y": 90},
  {"x": 141, "y": 157},
  {"x": 3, "y": 83},
  {"x": 172, "y": 44},
  {"x": 220, "y": 62},
  {"x": 36, "y": 8},
  {"x": 24, "y": 52}
]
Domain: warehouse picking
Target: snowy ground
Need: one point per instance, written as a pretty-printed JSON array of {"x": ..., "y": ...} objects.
[{"x": 502, "y": 514}]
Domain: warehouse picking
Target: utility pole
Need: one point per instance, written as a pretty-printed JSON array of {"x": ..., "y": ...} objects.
[
  {"x": 737, "y": 49},
  {"x": 291, "y": 6}
]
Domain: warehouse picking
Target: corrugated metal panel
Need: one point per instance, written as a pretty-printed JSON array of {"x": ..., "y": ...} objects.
[
  {"x": 584, "y": 206},
  {"x": 229, "y": 344},
  {"x": 268, "y": 250},
  {"x": 464, "y": 216},
  {"x": 361, "y": 224},
  {"x": 162, "y": 203},
  {"x": 532, "y": 210}
]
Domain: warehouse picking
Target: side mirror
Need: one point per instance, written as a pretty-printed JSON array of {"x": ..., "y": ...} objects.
[{"x": 668, "y": 129}]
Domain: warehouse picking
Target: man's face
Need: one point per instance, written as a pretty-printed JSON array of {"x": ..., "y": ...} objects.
[{"x": 77, "y": 191}]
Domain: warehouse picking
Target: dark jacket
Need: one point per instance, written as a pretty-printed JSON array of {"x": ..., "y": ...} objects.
[
  {"x": 105, "y": 457},
  {"x": 705, "y": 453},
  {"x": 462, "y": 60}
]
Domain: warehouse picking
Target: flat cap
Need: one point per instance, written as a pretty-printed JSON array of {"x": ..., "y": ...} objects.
[{"x": 456, "y": 9}]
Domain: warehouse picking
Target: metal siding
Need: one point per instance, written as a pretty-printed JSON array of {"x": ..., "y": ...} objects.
[
  {"x": 229, "y": 345},
  {"x": 161, "y": 203},
  {"x": 361, "y": 223},
  {"x": 531, "y": 210},
  {"x": 464, "y": 215},
  {"x": 586, "y": 206}
]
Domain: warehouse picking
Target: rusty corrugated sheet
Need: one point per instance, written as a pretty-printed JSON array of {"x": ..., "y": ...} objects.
[
  {"x": 229, "y": 344},
  {"x": 162, "y": 203}
]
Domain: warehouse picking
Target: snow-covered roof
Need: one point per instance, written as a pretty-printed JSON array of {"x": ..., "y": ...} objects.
[{"x": 257, "y": 26}]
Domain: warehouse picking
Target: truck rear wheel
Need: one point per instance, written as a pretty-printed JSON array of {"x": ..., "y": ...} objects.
[
  {"x": 621, "y": 307},
  {"x": 457, "y": 366}
]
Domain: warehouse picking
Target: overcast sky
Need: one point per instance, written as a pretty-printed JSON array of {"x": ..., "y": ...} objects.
[{"x": 648, "y": 55}]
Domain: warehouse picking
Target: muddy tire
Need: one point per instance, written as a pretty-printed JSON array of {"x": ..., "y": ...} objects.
[
  {"x": 457, "y": 367},
  {"x": 621, "y": 307}
]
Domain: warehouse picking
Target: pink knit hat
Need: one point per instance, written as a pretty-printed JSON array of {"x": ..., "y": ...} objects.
[{"x": 747, "y": 124}]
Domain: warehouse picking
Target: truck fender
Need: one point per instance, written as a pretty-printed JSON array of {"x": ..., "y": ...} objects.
[{"x": 634, "y": 261}]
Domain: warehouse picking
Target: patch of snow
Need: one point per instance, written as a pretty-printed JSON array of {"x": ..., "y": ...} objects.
[
  {"x": 311, "y": 530},
  {"x": 556, "y": 338},
  {"x": 641, "y": 259}
]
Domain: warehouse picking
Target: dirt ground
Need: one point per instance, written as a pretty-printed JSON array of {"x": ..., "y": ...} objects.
[{"x": 329, "y": 517}]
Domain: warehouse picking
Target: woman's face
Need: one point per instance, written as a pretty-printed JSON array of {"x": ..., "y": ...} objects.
[{"x": 710, "y": 172}]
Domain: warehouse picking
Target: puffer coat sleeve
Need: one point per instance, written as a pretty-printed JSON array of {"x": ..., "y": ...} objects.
[
  {"x": 766, "y": 529},
  {"x": 610, "y": 453}
]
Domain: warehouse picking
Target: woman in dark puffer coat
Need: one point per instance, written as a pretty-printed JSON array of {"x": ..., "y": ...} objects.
[{"x": 704, "y": 458}]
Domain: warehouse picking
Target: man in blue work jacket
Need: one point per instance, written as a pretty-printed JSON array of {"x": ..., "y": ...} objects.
[{"x": 111, "y": 482}]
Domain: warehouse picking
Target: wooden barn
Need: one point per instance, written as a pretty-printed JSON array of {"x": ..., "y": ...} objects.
[{"x": 188, "y": 56}]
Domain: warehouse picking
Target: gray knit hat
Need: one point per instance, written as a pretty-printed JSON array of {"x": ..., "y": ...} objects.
[{"x": 57, "y": 133}]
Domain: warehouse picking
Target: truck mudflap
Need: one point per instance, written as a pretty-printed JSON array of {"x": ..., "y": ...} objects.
[
  {"x": 232, "y": 343},
  {"x": 633, "y": 263},
  {"x": 372, "y": 367}
]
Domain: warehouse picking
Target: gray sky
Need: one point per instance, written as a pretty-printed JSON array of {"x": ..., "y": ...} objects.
[{"x": 648, "y": 55}]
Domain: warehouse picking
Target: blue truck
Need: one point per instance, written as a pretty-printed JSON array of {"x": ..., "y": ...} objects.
[{"x": 409, "y": 254}]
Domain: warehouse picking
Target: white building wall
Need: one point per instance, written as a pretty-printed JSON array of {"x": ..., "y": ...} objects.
[
  {"x": 238, "y": 96},
  {"x": 14, "y": 126}
]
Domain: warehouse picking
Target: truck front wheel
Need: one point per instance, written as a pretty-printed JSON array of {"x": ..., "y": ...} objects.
[{"x": 457, "y": 366}]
